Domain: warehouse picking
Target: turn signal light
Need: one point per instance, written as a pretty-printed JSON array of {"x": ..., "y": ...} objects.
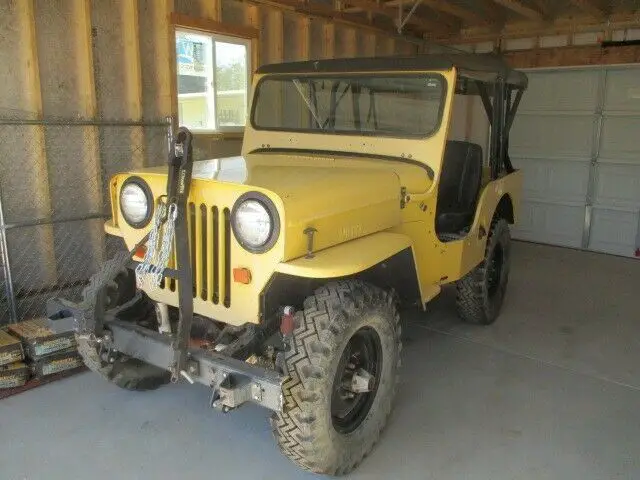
[
  {"x": 242, "y": 275},
  {"x": 140, "y": 252}
]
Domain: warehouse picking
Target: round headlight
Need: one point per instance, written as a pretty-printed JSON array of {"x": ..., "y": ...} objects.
[
  {"x": 136, "y": 202},
  {"x": 255, "y": 222}
]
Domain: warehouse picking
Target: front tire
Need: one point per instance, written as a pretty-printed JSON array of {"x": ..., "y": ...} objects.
[
  {"x": 481, "y": 292},
  {"x": 347, "y": 335},
  {"x": 119, "y": 283}
]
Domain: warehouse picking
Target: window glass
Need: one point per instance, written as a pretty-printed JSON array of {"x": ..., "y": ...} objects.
[
  {"x": 394, "y": 105},
  {"x": 231, "y": 83},
  {"x": 213, "y": 73}
]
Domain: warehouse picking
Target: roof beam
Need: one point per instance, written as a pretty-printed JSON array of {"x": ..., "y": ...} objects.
[
  {"x": 521, "y": 9},
  {"x": 328, "y": 13},
  {"x": 590, "y": 7},
  {"x": 450, "y": 21},
  {"x": 573, "y": 56},
  {"x": 422, "y": 23},
  {"x": 450, "y": 9},
  {"x": 559, "y": 26}
]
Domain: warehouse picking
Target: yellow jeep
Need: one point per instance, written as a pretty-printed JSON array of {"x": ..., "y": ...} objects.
[{"x": 275, "y": 277}]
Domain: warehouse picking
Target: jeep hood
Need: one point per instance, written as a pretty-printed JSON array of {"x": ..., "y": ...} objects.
[{"x": 341, "y": 200}]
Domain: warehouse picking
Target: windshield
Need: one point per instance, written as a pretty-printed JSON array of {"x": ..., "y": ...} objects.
[{"x": 393, "y": 105}]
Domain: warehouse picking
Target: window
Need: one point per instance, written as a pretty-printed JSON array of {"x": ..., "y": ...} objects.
[
  {"x": 213, "y": 74},
  {"x": 390, "y": 105}
]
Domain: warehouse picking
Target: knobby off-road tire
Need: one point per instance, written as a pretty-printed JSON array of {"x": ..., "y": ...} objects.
[
  {"x": 125, "y": 372},
  {"x": 481, "y": 292},
  {"x": 337, "y": 315}
]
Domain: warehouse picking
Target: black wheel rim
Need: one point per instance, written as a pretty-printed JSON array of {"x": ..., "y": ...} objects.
[
  {"x": 494, "y": 273},
  {"x": 362, "y": 352}
]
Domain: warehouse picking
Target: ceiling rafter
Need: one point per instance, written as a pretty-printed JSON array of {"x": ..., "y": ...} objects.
[
  {"x": 328, "y": 13},
  {"x": 590, "y": 7},
  {"x": 456, "y": 11},
  {"x": 522, "y": 9},
  {"x": 421, "y": 23},
  {"x": 449, "y": 20}
]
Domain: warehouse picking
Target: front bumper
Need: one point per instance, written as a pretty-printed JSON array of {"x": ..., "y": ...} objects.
[{"x": 234, "y": 382}]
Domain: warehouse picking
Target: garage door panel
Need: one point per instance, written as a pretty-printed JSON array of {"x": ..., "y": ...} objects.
[
  {"x": 617, "y": 185},
  {"x": 535, "y": 135},
  {"x": 577, "y": 140},
  {"x": 614, "y": 231},
  {"x": 619, "y": 138},
  {"x": 548, "y": 223},
  {"x": 554, "y": 180},
  {"x": 623, "y": 90},
  {"x": 564, "y": 90}
]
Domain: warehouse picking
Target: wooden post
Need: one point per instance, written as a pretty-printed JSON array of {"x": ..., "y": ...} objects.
[
  {"x": 158, "y": 73},
  {"x": 304, "y": 38},
  {"x": 73, "y": 159},
  {"x": 252, "y": 18},
  {"x": 211, "y": 9},
  {"x": 369, "y": 45},
  {"x": 328, "y": 40},
  {"x": 25, "y": 194},
  {"x": 350, "y": 39}
]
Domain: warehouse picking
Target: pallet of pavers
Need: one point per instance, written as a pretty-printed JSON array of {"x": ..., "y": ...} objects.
[
  {"x": 48, "y": 356},
  {"x": 13, "y": 371},
  {"x": 10, "y": 348}
]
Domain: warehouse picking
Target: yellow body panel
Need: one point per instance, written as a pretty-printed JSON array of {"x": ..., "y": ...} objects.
[
  {"x": 244, "y": 299},
  {"x": 347, "y": 258},
  {"x": 440, "y": 263},
  {"x": 346, "y": 187}
]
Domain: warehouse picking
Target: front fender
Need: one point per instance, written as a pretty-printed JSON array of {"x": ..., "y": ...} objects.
[{"x": 347, "y": 258}]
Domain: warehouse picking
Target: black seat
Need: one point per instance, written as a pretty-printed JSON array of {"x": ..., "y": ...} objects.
[{"x": 459, "y": 186}]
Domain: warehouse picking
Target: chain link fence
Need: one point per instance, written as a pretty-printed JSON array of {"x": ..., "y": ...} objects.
[{"x": 54, "y": 198}]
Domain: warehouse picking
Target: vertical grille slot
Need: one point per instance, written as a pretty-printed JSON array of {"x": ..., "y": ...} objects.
[
  {"x": 201, "y": 250},
  {"x": 216, "y": 254},
  {"x": 209, "y": 229},
  {"x": 227, "y": 258},
  {"x": 191, "y": 224}
]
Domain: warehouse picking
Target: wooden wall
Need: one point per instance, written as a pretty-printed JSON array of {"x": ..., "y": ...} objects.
[{"x": 113, "y": 59}]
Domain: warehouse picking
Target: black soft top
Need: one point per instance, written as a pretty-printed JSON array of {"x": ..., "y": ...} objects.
[{"x": 485, "y": 66}]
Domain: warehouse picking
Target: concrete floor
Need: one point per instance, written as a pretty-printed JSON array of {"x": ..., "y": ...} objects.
[{"x": 549, "y": 392}]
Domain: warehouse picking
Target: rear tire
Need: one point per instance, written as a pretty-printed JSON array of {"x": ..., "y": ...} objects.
[
  {"x": 481, "y": 292},
  {"x": 326, "y": 427},
  {"x": 125, "y": 372}
]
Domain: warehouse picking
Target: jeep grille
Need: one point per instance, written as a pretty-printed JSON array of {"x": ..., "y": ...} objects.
[{"x": 210, "y": 248}]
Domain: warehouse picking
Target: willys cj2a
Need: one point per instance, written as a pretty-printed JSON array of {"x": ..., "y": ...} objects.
[{"x": 275, "y": 277}]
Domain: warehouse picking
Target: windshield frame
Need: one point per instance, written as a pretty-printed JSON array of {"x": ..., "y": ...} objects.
[{"x": 351, "y": 133}]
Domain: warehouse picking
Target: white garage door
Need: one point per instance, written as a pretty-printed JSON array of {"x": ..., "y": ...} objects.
[{"x": 577, "y": 140}]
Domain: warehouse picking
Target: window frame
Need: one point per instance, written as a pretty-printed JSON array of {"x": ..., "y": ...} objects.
[{"x": 217, "y": 32}]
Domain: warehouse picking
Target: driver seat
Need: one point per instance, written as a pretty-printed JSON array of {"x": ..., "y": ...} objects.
[{"x": 459, "y": 187}]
